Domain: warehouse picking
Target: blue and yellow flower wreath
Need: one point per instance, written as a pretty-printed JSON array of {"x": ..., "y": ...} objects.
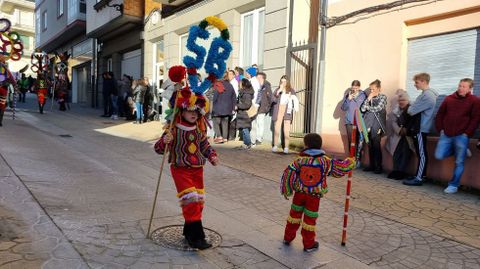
[{"x": 219, "y": 51}]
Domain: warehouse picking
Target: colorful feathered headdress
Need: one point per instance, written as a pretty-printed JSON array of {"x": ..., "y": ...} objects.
[{"x": 192, "y": 97}]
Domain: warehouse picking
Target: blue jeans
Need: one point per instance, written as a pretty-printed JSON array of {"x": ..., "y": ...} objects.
[
  {"x": 114, "y": 104},
  {"x": 139, "y": 107},
  {"x": 453, "y": 146},
  {"x": 246, "y": 136}
]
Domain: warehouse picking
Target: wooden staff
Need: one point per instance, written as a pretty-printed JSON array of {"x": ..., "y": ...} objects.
[
  {"x": 349, "y": 181},
  {"x": 169, "y": 128}
]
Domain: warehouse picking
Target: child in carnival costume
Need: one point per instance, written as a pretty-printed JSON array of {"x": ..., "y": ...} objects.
[
  {"x": 188, "y": 151},
  {"x": 306, "y": 179}
]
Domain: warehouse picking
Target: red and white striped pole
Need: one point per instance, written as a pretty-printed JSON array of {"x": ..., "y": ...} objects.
[{"x": 349, "y": 182}]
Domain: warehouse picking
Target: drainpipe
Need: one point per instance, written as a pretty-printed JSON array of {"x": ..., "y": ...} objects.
[
  {"x": 94, "y": 76},
  {"x": 321, "y": 66}
]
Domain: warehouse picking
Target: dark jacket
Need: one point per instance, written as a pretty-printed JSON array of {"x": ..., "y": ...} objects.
[
  {"x": 266, "y": 96},
  {"x": 224, "y": 103},
  {"x": 108, "y": 87},
  {"x": 245, "y": 97},
  {"x": 458, "y": 115}
]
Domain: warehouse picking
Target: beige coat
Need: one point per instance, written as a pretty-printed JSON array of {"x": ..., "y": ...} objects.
[{"x": 393, "y": 137}]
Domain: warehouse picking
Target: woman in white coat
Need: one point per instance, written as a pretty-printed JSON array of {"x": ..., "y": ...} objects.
[{"x": 285, "y": 104}]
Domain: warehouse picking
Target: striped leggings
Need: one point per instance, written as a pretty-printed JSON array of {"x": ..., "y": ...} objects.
[{"x": 421, "y": 150}]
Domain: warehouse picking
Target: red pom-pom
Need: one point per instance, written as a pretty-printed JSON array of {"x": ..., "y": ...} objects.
[{"x": 177, "y": 73}]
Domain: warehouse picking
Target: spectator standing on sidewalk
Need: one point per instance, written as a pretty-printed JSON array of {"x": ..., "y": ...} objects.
[
  {"x": 399, "y": 143},
  {"x": 374, "y": 109},
  {"x": 264, "y": 103},
  {"x": 223, "y": 105},
  {"x": 147, "y": 99},
  {"x": 244, "y": 123},
  {"x": 113, "y": 95},
  {"x": 285, "y": 103},
  {"x": 457, "y": 119},
  {"x": 233, "y": 81},
  {"x": 306, "y": 179},
  {"x": 352, "y": 102},
  {"x": 424, "y": 106},
  {"x": 106, "y": 93},
  {"x": 251, "y": 74},
  {"x": 124, "y": 86},
  {"x": 139, "y": 89}
]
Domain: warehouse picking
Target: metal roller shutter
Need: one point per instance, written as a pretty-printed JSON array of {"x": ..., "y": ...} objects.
[{"x": 447, "y": 58}]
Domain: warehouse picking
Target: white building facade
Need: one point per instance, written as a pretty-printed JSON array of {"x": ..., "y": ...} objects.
[{"x": 21, "y": 15}]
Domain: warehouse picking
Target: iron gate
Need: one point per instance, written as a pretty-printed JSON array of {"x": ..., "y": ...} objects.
[{"x": 301, "y": 69}]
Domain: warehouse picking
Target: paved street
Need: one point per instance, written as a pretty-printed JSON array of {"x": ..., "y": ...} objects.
[{"x": 76, "y": 192}]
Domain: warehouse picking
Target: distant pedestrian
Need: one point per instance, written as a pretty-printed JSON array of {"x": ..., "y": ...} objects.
[
  {"x": 244, "y": 123},
  {"x": 139, "y": 89},
  {"x": 457, "y": 119},
  {"x": 306, "y": 179},
  {"x": 24, "y": 85},
  {"x": 422, "y": 108}
]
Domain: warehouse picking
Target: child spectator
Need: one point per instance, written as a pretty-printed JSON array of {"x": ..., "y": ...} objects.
[{"x": 306, "y": 177}]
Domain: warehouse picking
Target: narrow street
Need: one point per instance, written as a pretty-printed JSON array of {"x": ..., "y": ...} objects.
[{"x": 76, "y": 191}]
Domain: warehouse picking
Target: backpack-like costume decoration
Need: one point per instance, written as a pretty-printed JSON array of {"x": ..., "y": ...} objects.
[{"x": 308, "y": 174}]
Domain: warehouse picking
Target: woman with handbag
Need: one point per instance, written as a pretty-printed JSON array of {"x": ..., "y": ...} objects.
[
  {"x": 244, "y": 123},
  {"x": 285, "y": 103}
]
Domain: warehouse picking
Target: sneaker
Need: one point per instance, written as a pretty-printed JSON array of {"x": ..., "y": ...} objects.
[
  {"x": 285, "y": 150},
  {"x": 218, "y": 140},
  {"x": 258, "y": 142},
  {"x": 450, "y": 189},
  {"x": 274, "y": 149},
  {"x": 469, "y": 153},
  {"x": 286, "y": 242},
  {"x": 312, "y": 248},
  {"x": 244, "y": 147},
  {"x": 115, "y": 117},
  {"x": 413, "y": 181},
  {"x": 253, "y": 145}
]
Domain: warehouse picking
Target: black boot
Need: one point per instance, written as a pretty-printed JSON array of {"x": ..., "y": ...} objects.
[
  {"x": 197, "y": 239},
  {"x": 187, "y": 232}
]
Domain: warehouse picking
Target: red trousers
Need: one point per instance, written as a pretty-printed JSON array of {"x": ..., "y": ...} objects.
[
  {"x": 306, "y": 205},
  {"x": 189, "y": 184}
]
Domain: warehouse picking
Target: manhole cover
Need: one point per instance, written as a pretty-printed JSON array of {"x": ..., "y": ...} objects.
[
  {"x": 65, "y": 135},
  {"x": 172, "y": 237}
]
